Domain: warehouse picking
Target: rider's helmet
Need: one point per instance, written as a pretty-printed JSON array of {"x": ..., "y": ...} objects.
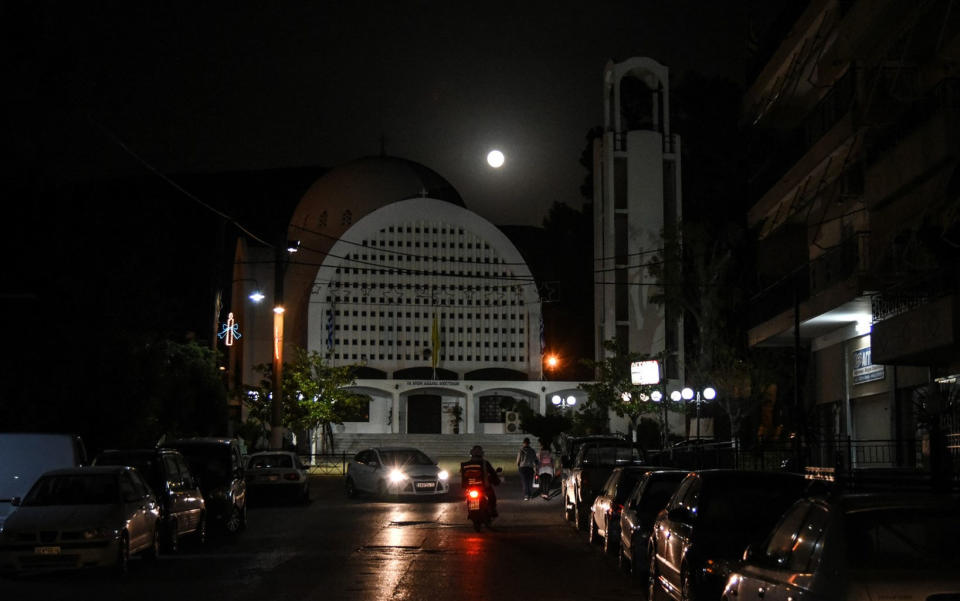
[{"x": 476, "y": 451}]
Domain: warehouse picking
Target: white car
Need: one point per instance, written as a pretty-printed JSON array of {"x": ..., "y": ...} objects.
[
  {"x": 386, "y": 471},
  {"x": 82, "y": 517},
  {"x": 277, "y": 472}
]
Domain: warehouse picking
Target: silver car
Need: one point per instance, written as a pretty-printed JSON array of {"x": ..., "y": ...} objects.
[
  {"x": 856, "y": 547},
  {"x": 277, "y": 472},
  {"x": 386, "y": 471},
  {"x": 82, "y": 517}
]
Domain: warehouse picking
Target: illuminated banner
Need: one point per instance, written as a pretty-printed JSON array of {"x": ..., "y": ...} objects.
[{"x": 645, "y": 372}]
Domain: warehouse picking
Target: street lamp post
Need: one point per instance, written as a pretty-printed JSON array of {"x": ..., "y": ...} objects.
[
  {"x": 563, "y": 403},
  {"x": 699, "y": 396},
  {"x": 657, "y": 397},
  {"x": 281, "y": 257}
]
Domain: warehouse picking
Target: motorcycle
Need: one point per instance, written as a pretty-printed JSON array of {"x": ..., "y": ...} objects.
[{"x": 478, "y": 506}]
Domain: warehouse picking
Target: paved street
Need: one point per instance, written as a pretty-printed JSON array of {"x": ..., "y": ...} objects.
[{"x": 366, "y": 549}]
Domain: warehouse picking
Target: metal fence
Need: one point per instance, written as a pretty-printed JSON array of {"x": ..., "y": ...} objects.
[
  {"x": 842, "y": 454},
  {"x": 328, "y": 463}
]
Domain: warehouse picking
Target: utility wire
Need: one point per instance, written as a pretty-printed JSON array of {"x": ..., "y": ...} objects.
[
  {"x": 376, "y": 249},
  {"x": 174, "y": 184}
]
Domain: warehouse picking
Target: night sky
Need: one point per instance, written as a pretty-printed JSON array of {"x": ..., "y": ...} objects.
[{"x": 206, "y": 87}]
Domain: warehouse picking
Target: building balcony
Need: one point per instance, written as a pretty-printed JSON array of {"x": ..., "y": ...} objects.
[
  {"x": 873, "y": 109},
  {"x": 832, "y": 283}
]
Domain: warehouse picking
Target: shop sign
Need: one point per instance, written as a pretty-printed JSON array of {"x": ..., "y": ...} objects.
[{"x": 863, "y": 368}]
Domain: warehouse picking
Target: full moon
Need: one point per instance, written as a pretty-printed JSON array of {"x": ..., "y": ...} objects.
[{"x": 495, "y": 158}]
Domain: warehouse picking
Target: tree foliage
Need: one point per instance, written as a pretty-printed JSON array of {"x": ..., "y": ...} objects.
[
  {"x": 314, "y": 394},
  {"x": 144, "y": 388},
  {"x": 613, "y": 388},
  {"x": 704, "y": 265}
]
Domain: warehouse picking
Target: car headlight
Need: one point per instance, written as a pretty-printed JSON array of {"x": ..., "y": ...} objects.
[
  {"x": 443, "y": 475},
  {"x": 397, "y": 476}
]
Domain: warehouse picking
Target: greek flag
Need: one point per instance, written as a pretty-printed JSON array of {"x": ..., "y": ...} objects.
[
  {"x": 543, "y": 340},
  {"x": 330, "y": 329}
]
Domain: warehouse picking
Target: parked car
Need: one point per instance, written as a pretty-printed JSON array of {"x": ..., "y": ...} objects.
[
  {"x": 567, "y": 450},
  {"x": 384, "y": 471},
  {"x": 277, "y": 472},
  {"x": 706, "y": 524},
  {"x": 856, "y": 547},
  {"x": 82, "y": 517},
  {"x": 183, "y": 511},
  {"x": 640, "y": 509},
  {"x": 604, "y": 526},
  {"x": 217, "y": 464},
  {"x": 24, "y": 457},
  {"x": 595, "y": 460}
]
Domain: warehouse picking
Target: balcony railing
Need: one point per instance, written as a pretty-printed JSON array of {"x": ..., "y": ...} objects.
[
  {"x": 887, "y": 98},
  {"x": 779, "y": 296},
  {"x": 840, "y": 262},
  {"x": 841, "y": 458}
]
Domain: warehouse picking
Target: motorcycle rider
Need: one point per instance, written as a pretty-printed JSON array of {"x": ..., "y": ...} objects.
[{"x": 478, "y": 472}]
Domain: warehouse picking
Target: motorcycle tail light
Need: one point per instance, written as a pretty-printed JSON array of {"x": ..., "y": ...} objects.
[{"x": 473, "y": 493}]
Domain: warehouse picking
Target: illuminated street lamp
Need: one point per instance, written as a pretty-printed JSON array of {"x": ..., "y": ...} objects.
[
  {"x": 282, "y": 258},
  {"x": 698, "y": 396},
  {"x": 559, "y": 401},
  {"x": 551, "y": 362},
  {"x": 657, "y": 397}
]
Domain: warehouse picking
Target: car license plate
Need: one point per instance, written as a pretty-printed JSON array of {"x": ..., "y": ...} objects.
[
  {"x": 273, "y": 477},
  {"x": 46, "y": 550},
  {"x": 473, "y": 504},
  {"x": 427, "y": 485}
]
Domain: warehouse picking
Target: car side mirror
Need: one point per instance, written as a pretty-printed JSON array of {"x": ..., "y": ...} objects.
[
  {"x": 15, "y": 501},
  {"x": 499, "y": 470},
  {"x": 751, "y": 553}
]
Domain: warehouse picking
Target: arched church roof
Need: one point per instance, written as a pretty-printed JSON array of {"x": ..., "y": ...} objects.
[{"x": 368, "y": 183}]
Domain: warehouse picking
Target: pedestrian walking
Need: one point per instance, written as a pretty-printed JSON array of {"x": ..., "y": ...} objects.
[
  {"x": 545, "y": 470},
  {"x": 527, "y": 465}
]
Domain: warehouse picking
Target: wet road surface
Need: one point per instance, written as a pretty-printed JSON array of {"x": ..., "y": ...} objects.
[{"x": 366, "y": 549}]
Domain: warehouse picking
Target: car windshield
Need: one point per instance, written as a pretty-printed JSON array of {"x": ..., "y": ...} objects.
[
  {"x": 405, "y": 457},
  {"x": 625, "y": 486},
  {"x": 609, "y": 456},
  {"x": 146, "y": 465},
  {"x": 270, "y": 461},
  {"x": 657, "y": 493},
  {"x": 903, "y": 538},
  {"x": 210, "y": 463},
  {"x": 73, "y": 489}
]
